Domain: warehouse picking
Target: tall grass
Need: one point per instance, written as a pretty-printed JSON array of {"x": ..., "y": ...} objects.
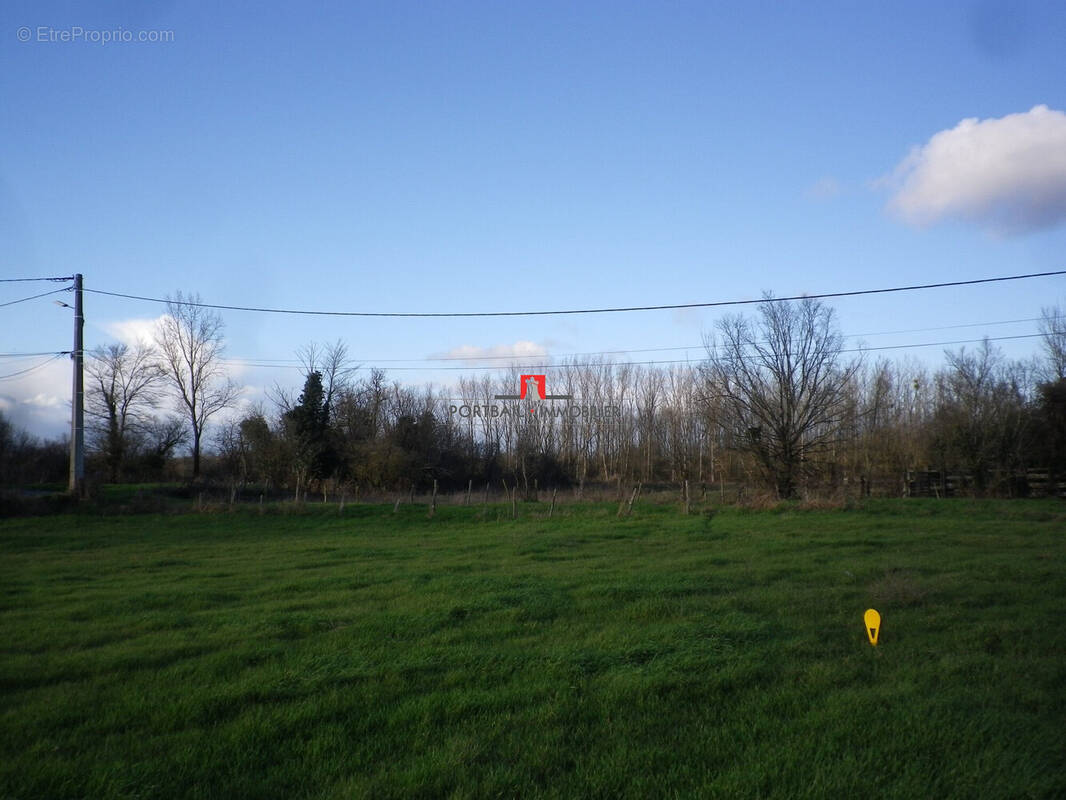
[{"x": 370, "y": 654}]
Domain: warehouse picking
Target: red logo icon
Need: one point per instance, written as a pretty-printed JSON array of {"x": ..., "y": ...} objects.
[{"x": 534, "y": 384}]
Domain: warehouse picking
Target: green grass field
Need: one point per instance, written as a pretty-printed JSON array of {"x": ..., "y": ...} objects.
[{"x": 314, "y": 654}]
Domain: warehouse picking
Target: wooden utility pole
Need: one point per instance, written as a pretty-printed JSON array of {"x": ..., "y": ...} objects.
[{"x": 77, "y": 418}]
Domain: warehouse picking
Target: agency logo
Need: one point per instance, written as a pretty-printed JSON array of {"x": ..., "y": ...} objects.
[
  {"x": 532, "y": 389},
  {"x": 538, "y": 384}
]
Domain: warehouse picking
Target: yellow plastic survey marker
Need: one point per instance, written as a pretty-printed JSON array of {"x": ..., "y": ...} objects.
[{"x": 873, "y": 625}]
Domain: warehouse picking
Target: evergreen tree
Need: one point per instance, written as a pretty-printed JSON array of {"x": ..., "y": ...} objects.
[{"x": 308, "y": 427}]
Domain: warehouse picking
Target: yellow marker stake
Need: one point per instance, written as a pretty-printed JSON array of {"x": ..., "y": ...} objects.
[{"x": 873, "y": 624}]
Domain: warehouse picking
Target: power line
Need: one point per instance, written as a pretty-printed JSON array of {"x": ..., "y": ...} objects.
[
  {"x": 296, "y": 363},
  {"x": 35, "y": 296},
  {"x": 689, "y": 361},
  {"x": 950, "y": 327},
  {"x": 259, "y": 365},
  {"x": 34, "y": 355},
  {"x": 671, "y": 306},
  {"x": 25, "y": 280},
  {"x": 28, "y": 370}
]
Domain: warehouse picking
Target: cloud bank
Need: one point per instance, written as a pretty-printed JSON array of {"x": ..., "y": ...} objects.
[
  {"x": 1005, "y": 175},
  {"x": 133, "y": 331},
  {"x": 40, "y": 400},
  {"x": 472, "y": 354}
]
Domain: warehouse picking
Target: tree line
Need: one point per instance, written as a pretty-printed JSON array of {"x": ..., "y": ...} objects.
[{"x": 778, "y": 403}]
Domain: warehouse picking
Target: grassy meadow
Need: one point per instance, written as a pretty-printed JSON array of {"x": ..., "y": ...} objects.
[{"x": 315, "y": 653}]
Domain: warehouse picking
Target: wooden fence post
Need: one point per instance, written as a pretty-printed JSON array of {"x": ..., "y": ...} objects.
[
  {"x": 633, "y": 497},
  {"x": 628, "y": 508}
]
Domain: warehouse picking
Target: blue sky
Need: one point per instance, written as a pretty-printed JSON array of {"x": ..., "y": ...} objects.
[{"x": 505, "y": 156}]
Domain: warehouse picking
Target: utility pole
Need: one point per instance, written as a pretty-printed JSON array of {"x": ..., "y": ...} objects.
[{"x": 77, "y": 418}]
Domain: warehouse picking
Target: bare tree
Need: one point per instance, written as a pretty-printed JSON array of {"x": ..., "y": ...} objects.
[
  {"x": 162, "y": 437},
  {"x": 783, "y": 384},
  {"x": 190, "y": 341},
  {"x": 333, "y": 363},
  {"x": 981, "y": 413},
  {"x": 1053, "y": 328},
  {"x": 123, "y": 389},
  {"x": 649, "y": 390}
]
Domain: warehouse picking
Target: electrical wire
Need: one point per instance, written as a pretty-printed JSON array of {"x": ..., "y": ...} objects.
[
  {"x": 34, "y": 355},
  {"x": 25, "y": 280},
  {"x": 28, "y": 370},
  {"x": 671, "y": 306},
  {"x": 272, "y": 363},
  {"x": 690, "y": 361},
  {"x": 35, "y": 296},
  {"x": 250, "y": 363},
  {"x": 287, "y": 362}
]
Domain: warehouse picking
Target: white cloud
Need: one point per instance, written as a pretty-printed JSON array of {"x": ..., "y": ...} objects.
[
  {"x": 497, "y": 353},
  {"x": 40, "y": 400},
  {"x": 133, "y": 331},
  {"x": 1007, "y": 175}
]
